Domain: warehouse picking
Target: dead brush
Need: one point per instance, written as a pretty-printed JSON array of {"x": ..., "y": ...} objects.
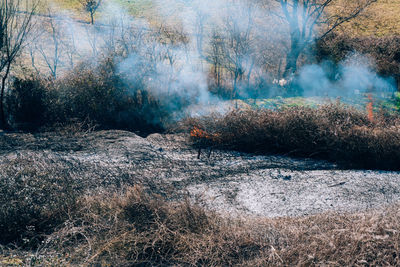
[
  {"x": 201, "y": 132},
  {"x": 334, "y": 132},
  {"x": 361, "y": 239},
  {"x": 72, "y": 127},
  {"x": 35, "y": 197},
  {"x": 202, "y": 138},
  {"x": 39, "y": 192},
  {"x": 136, "y": 229},
  {"x": 139, "y": 229}
]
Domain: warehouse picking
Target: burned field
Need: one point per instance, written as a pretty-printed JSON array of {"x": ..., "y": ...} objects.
[
  {"x": 199, "y": 133},
  {"x": 168, "y": 163},
  {"x": 66, "y": 195}
]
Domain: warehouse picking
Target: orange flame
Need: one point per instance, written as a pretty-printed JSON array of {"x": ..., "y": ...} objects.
[
  {"x": 199, "y": 133},
  {"x": 370, "y": 108}
]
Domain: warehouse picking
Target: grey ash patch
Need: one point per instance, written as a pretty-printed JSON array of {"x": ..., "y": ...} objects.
[{"x": 227, "y": 181}]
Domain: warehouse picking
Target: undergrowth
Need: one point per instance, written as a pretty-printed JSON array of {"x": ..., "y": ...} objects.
[
  {"x": 49, "y": 217},
  {"x": 333, "y": 132},
  {"x": 134, "y": 228}
]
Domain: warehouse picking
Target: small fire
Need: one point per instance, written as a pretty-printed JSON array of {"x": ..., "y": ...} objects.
[
  {"x": 199, "y": 133},
  {"x": 370, "y": 108}
]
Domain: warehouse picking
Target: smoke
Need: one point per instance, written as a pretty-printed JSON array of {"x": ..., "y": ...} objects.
[
  {"x": 175, "y": 70},
  {"x": 233, "y": 44},
  {"x": 353, "y": 77}
]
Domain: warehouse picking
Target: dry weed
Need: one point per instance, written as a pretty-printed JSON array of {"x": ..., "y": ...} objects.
[
  {"x": 137, "y": 229},
  {"x": 332, "y": 132}
]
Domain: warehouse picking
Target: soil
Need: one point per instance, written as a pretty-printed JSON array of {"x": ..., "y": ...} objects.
[{"x": 227, "y": 181}]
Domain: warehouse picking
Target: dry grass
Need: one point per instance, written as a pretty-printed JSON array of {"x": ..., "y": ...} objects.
[
  {"x": 333, "y": 132},
  {"x": 365, "y": 239},
  {"x": 35, "y": 197},
  {"x": 65, "y": 225},
  {"x": 380, "y": 19},
  {"x": 53, "y": 215},
  {"x": 137, "y": 229},
  {"x": 38, "y": 192}
]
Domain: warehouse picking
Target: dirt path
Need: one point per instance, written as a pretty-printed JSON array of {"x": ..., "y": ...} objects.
[{"x": 228, "y": 181}]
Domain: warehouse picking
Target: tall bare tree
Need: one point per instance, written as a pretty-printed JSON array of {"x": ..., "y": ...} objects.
[
  {"x": 239, "y": 47},
  {"x": 309, "y": 20},
  {"x": 51, "y": 50},
  {"x": 15, "y": 25},
  {"x": 215, "y": 57}
]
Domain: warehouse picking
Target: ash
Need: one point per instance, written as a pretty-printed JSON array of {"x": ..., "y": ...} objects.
[{"x": 229, "y": 182}]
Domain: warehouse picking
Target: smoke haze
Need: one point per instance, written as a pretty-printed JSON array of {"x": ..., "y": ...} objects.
[{"x": 175, "y": 61}]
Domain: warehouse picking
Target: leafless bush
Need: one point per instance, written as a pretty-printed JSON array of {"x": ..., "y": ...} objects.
[
  {"x": 30, "y": 104},
  {"x": 90, "y": 94},
  {"x": 39, "y": 192},
  {"x": 331, "y": 132}
]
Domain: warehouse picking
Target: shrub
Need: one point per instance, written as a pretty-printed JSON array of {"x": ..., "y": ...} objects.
[
  {"x": 39, "y": 191},
  {"x": 28, "y": 102},
  {"x": 332, "y": 132},
  {"x": 138, "y": 229},
  {"x": 94, "y": 93},
  {"x": 97, "y": 93}
]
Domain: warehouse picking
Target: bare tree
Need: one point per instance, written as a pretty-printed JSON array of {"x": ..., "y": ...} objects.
[
  {"x": 199, "y": 31},
  {"x": 71, "y": 51},
  {"x": 93, "y": 39},
  {"x": 52, "y": 46},
  {"x": 15, "y": 25},
  {"x": 52, "y": 60},
  {"x": 305, "y": 17},
  {"x": 239, "y": 48},
  {"x": 215, "y": 57},
  {"x": 91, "y": 6}
]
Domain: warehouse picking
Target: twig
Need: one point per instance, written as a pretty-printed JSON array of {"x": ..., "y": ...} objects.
[{"x": 338, "y": 184}]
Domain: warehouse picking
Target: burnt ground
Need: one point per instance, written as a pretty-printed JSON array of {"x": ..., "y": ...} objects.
[{"x": 227, "y": 181}]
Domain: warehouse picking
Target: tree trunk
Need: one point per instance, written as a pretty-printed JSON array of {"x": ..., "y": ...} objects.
[
  {"x": 4, "y": 124},
  {"x": 3, "y": 118},
  {"x": 296, "y": 37},
  {"x": 296, "y": 47},
  {"x": 291, "y": 63},
  {"x": 398, "y": 83}
]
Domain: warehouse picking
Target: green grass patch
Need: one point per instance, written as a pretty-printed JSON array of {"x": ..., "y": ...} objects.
[{"x": 388, "y": 104}]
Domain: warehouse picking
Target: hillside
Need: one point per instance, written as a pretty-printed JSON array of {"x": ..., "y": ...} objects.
[
  {"x": 380, "y": 19},
  {"x": 137, "y": 8},
  {"x": 199, "y": 133}
]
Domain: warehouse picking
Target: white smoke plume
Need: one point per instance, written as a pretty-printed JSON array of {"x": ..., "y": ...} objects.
[{"x": 176, "y": 69}]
